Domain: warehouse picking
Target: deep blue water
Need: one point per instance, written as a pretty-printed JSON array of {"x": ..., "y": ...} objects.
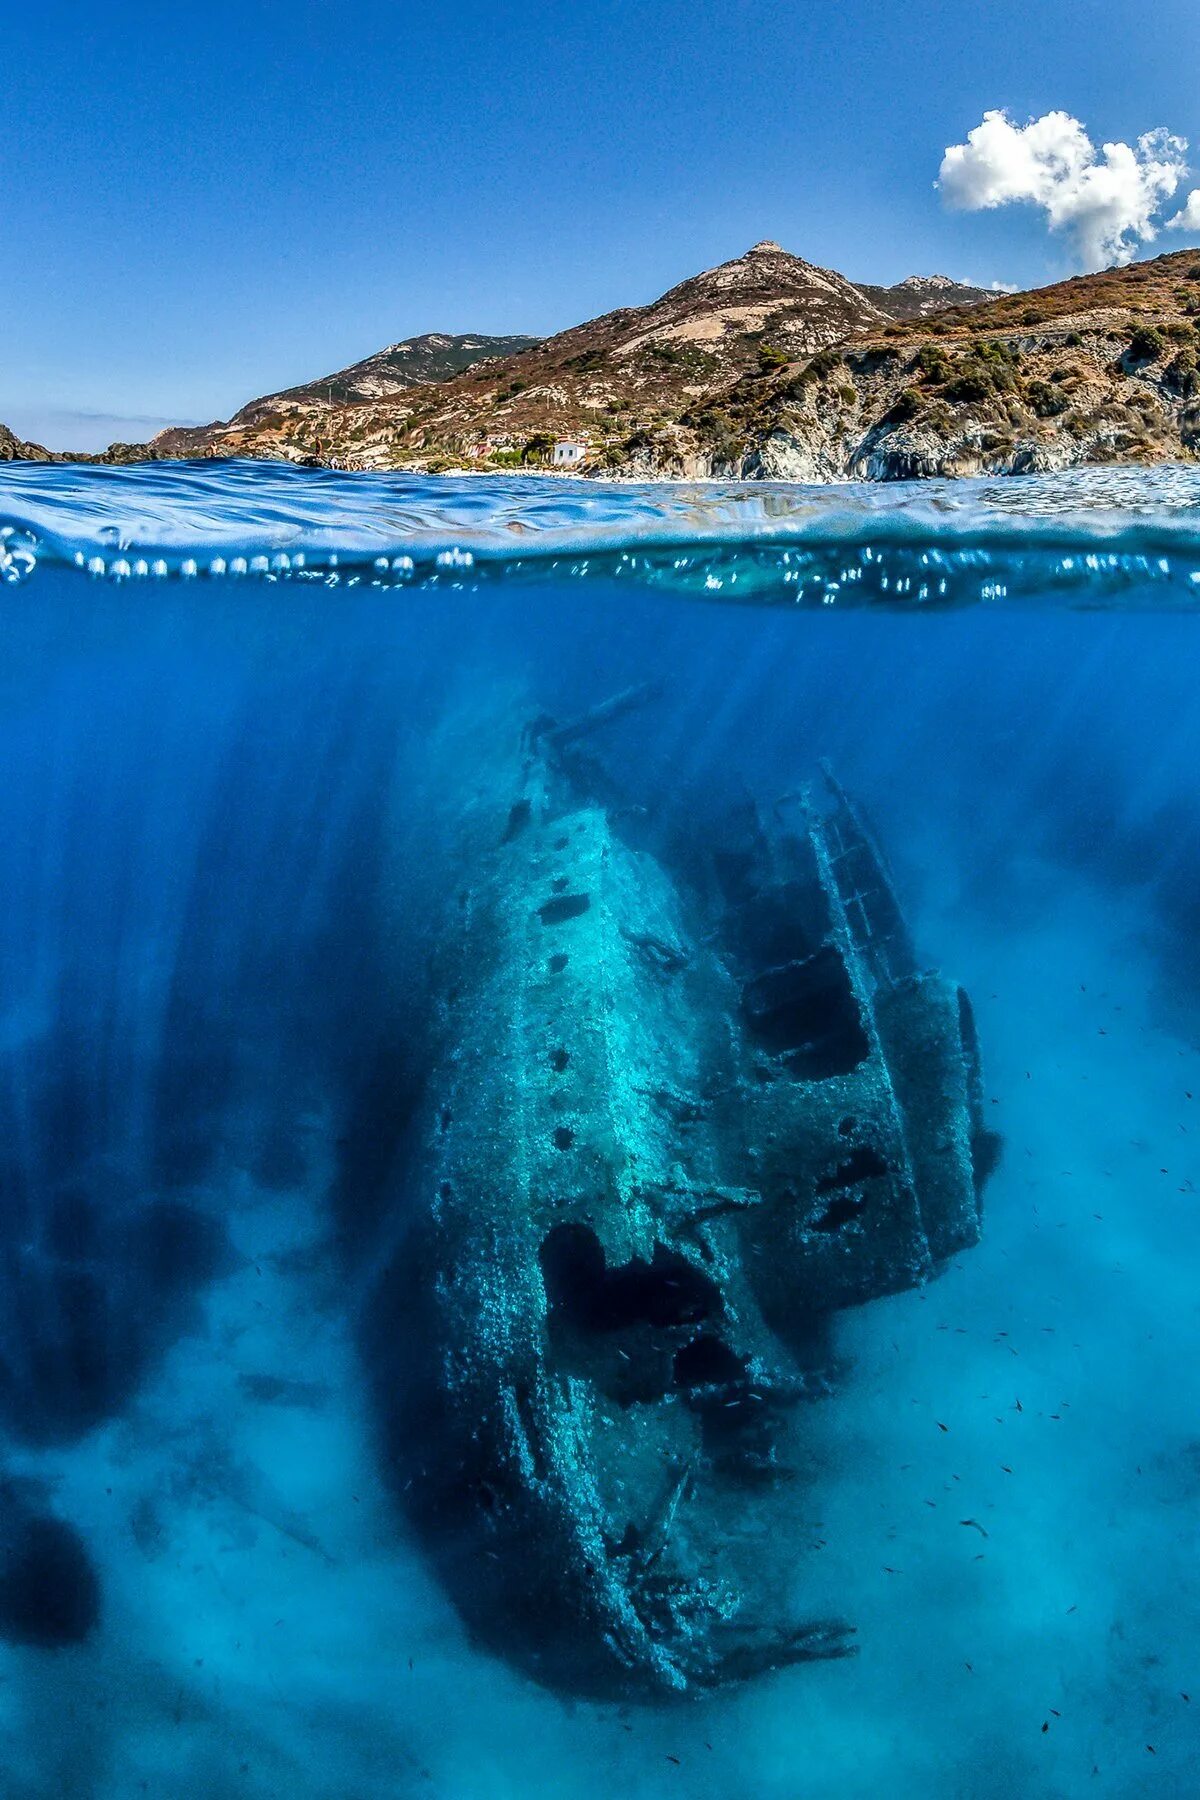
[{"x": 226, "y": 825}]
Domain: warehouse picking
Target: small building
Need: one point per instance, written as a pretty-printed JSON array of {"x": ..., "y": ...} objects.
[{"x": 568, "y": 453}]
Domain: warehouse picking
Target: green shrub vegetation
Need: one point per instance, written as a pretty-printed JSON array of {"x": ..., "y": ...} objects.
[
  {"x": 1182, "y": 374},
  {"x": 537, "y": 448},
  {"x": 822, "y": 364},
  {"x": 973, "y": 383},
  {"x": 933, "y": 363},
  {"x": 906, "y": 407},
  {"x": 1146, "y": 343},
  {"x": 1046, "y": 400},
  {"x": 717, "y": 431}
]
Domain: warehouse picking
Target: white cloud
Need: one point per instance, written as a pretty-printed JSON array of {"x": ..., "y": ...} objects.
[
  {"x": 1188, "y": 216},
  {"x": 1107, "y": 200}
]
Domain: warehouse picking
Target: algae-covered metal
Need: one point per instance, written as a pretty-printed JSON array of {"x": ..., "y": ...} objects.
[{"x": 671, "y": 1130}]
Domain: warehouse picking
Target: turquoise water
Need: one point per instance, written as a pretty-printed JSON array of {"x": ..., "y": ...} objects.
[{"x": 249, "y": 715}]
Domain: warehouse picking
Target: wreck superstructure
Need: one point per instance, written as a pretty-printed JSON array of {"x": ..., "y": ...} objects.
[{"x": 672, "y": 1128}]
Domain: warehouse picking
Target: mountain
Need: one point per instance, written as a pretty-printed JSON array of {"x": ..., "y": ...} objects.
[
  {"x": 768, "y": 366},
  {"x": 627, "y": 370},
  {"x": 414, "y": 362},
  {"x": 918, "y": 295}
]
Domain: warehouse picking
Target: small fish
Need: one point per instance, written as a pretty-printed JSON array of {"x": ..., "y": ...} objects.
[
  {"x": 975, "y": 1525},
  {"x": 940, "y": 1426},
  {"x": 673, "y": 1759}
]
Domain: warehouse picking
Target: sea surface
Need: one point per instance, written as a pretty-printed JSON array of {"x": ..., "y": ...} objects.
[{"x": 227, "y": 812}]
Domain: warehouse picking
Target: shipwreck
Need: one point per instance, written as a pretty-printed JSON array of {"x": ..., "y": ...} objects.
[{"x": 678, "y": 1116}]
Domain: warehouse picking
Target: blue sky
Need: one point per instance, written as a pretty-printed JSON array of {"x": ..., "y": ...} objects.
[{"x": 202, "y": 203}]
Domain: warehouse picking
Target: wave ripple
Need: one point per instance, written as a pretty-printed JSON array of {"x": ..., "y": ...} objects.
[{"x": 1123, "y": 537}]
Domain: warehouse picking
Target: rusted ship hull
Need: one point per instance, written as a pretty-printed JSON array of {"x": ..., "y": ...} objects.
[{"x": 669, "y": 1134}]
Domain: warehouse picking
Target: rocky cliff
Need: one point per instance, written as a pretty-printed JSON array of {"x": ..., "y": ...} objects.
[{"x": 1103, "y": 368}]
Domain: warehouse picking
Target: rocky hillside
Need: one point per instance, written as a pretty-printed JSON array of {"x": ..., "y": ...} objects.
[
  {"x": 769, "y": 367},
  {"x": 630, "y": 372},
  {"x": 1102, "y": 368},
  {"x": 919, "y": 295},
  {"x": 413, "y": 363}
]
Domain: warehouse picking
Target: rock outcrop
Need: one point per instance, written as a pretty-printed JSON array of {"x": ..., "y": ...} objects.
[{"x": 15, "y": 449}]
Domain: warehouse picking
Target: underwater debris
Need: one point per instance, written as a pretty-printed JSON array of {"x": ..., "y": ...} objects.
[{"x": 671, "y": 1130}]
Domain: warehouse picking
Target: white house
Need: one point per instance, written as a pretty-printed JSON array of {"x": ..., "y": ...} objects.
[{"x": 568, "y": 454}]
